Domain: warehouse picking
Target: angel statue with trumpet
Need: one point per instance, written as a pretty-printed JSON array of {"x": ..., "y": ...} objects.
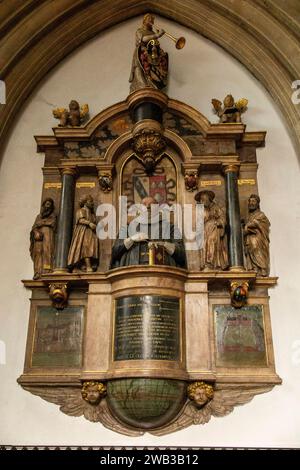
[{"x": 150, "y": 63}]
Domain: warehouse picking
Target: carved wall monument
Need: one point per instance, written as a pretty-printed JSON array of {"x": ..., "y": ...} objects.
[{"x": 148, "y": 331}]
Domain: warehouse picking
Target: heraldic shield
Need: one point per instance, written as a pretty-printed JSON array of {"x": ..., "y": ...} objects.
[{"x": 155, "y": 63}]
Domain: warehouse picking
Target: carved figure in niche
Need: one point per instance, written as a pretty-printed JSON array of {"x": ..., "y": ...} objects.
[
  {"x": 256, "y": 238},
  {"x": 230, "y": 111},
  {"x": 150, "y": 63},
  {"x": 84, "y": 249},
  {"x": 42, "y": 239},
  {"x": 73, "y": 117},
  {"x": 200, "y": 393},
  {"x": 214, "y": 254},
  {"x": 93, "y": 392},
  {"x": 157, "y": 242}
]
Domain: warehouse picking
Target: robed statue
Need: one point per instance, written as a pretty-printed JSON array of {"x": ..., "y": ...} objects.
[
  {"x": 214, "y": 253},
  {"x": 256, "y": 238},
  {"x": 150, "y": 63},
  {"x": 42, "y": 239},
  {"x": 156, "y": 241},
  {"x": 84, "y": 249}
]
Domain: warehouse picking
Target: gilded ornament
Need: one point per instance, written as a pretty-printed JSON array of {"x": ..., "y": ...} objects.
[
  {"x": 59, "y": 295},
  {"x": 93, "y": 392},
  {"x": 230, "y": 111},
  {"x": 73, "y": 117},
  {"x": 200, "y": 393},
  {"x": 239, "y": 293}
]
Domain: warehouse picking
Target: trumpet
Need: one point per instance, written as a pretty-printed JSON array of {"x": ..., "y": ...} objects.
[{"x": 179, "y": 42}]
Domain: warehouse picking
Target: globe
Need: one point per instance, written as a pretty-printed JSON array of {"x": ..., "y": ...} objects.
[{"x": 145, "y": 403}]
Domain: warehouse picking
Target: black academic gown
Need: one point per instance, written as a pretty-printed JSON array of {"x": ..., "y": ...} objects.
[{"x": 137, "y": 254}]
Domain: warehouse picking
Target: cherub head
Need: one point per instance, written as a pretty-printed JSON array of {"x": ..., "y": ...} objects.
[
  {"x": 200, "y": 393},
  {"x": 74, "y": 105},
  {"x": 228, "y": 101},
  {"x": 92, "y": 392}
]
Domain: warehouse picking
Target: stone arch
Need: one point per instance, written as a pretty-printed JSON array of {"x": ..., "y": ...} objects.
[{"x": 35, "y": 36}]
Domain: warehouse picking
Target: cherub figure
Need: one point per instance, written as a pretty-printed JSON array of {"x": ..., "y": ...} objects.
[
  {"x": 74, "y": 117},
  {"x": 92, "y": 392},
  {"x": 231, "y": 110},
  {"x": 200, "y": 393}
]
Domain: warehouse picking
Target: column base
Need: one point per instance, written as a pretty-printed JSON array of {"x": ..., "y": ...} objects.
[{"x": 236, "y": 268}]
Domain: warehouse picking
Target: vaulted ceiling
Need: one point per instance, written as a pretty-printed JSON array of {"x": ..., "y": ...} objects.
[{"x": 264, "y": 35}]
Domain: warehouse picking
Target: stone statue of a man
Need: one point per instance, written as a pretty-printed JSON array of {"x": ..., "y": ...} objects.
[
  {"x": 42, "y": 239},
  {"x": 256, "y": 238},
  {"x": 84, "y": 251},
  {"x": 214, "y": 254}
]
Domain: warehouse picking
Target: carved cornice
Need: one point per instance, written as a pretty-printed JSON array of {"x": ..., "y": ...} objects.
[
  {"x": 104, "y": 277},
  {"x": 210, "y": 131},
  {"x": 45, "y": 141},
  {"x": 255, "y": 139}
]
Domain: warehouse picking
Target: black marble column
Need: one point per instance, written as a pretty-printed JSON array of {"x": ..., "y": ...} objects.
[
  {"x": 147, "y": 110},
  {"x": 236, "y": 259},
  {"x": 65, "y": 220}
]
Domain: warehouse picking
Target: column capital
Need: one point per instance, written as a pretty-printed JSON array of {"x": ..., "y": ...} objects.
[
  {"x": 105, "y": 168},
  {"x": 69, "y": 170},
  {"x": 231, "y": 167}
]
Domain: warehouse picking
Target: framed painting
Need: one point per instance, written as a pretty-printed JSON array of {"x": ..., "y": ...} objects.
[
  {"x": 240, "y": 336},
  {"x": 57, "y": 338}
]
